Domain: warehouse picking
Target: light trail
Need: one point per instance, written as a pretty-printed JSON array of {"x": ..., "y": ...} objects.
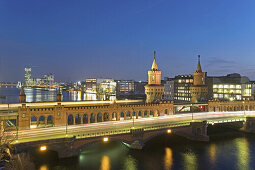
[{"x": 94, "y": 128}]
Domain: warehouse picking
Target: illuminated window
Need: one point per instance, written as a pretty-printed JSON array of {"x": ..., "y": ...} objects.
[
  {"x": 226, "y": 86},
  {"x": 153, "y": 78},
  {"x": 238, "y": 86},
  {"x": 232, "y": 86}
]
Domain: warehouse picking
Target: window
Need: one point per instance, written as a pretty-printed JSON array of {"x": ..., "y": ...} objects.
[{"x": 153, "y": 78}]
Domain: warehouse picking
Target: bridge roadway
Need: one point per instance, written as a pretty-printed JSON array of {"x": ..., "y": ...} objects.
[{"x": 118, "y": 127}]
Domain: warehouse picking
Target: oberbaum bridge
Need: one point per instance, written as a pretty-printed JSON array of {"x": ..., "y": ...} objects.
[{"x": 67, "y": 127}]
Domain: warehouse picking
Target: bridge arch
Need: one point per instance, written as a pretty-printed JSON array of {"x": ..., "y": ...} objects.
[
  {"x": 128, "y": 115},
  {"x": 151, "y": 113},
  {"x": 99, "y": 117},
  {"x": 77, "y": 119},
  {"x": 106, "y": 116},
  {"x": 122, "y": 115},
  {"x": 85, "y": 118},
  {"x": 41, "y": 121},
  {"x": 166, "y": 112},
  {"x": 139, "y": 113},
  {"x": 92, "y": 118},
  {"x": 246, "y": 107},
  {"x": 50, "y": 121},
  {"x": 33, "y": 122},
  {"x": 70, "y": 120},
  {"x": 146, "y": 113}
]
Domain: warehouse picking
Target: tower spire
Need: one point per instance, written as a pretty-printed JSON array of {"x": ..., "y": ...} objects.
[
  {"x": 199, "y": 69},
  {"x": 154, "y": 64}
]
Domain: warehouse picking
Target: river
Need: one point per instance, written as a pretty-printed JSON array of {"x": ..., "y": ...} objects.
[
  {"x": 226, "y": 150},
  {"x": 43, "y": 95}
]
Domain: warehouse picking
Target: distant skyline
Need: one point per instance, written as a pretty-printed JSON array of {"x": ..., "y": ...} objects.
[{"x": 116, "y": 39}]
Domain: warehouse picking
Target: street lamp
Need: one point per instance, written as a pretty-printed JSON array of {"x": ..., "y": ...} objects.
[
  {"x": 66, "y": 123},
  {"x": 244, "y": 108},
  {"x": 191, "y": 113}
]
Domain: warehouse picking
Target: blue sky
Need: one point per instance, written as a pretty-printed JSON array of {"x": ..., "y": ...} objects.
[{"x": 116, "y": 39}]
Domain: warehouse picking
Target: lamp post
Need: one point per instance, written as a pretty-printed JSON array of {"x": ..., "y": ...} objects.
[
  {"x": 191, "y": 113},
  {"x": 244, "y": 109},
  {"x": 66, "y": 123}
]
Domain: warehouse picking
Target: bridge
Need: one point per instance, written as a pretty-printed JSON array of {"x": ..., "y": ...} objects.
[
  {"x": 67, "y": 127},
  {"x": 69, "y": 140}
]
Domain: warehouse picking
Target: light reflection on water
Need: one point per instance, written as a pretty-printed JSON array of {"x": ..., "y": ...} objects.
[
  {"x": 168, "y": 160},
  {"x": 40, "y": 95},
  {"x": 243, "y": 153},
  {"x": 130, "y": 163},
  {"x": 190, "y": 161},
  {"x": 233, "y": 153},
  {"x": 105, "y": 163},
  {"x": 212, "y": 151}
]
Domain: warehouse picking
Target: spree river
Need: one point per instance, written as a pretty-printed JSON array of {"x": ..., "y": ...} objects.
[
  {"x": 42, "y": 95},
  {"x": 226, "y": 150}
]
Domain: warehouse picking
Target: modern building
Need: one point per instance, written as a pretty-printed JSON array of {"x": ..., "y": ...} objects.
[
  {"x": 125, "y": 87},
  {"x": 178, "y": 88},
  {"x": 100, "y": 87},
  {"x": 47, "y": 80},
  {"x": 232, "y": 87},
  {"x": 154, "y": 90},
  {"x": 199, "y": 89},
  {"x": 28, "y": 76},
  {"x": 168, "y": 89}
]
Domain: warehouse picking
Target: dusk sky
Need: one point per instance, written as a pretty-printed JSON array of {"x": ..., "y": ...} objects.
[{"x": 116, "y": 39}]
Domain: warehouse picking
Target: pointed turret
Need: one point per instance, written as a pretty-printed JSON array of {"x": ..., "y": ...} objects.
[
  {"x": 199, "y": 69},
  {"x": 59, "y": 95},
  {"x": 154, "y": 64},
  {"x": 22, "y": 96}
]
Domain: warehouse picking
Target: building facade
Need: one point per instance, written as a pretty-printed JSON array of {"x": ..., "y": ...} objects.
[{"x": 232, "y": 87}]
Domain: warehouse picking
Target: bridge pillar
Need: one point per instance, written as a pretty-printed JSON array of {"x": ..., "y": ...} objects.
[
  {"x": 88, "y": 118},
  {"x": 249, "y": 125},
  {"x": 125, "y": 116},
  {"x": 197, "y": 131},
  {"x": 137, "y": 137},
  {"x": 117, "y": 116},
  {"x": 95, "y": 118}
]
